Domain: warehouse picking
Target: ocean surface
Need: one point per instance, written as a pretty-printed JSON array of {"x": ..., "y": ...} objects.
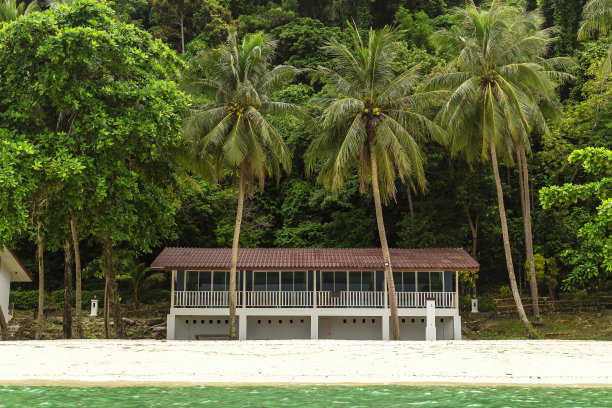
[{"x": 306, "y": 396}]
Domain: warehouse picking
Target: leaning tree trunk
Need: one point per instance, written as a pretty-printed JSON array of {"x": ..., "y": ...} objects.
[
  {"x": 182, "y": 26},
  {"x": 383, "y": 243},
  {"x": 474, "y": 229},
  {"x": 4, "y": 333},
  {"x": 506, "y": 239},
  {"x": 77, "y": 267},
  {"x": 113, "y": 296},
  {"x": 526, "y": 209},
  {"x": 41, "y": 284},
  {"x": 410, "y": 207},
  {"x": 67, "y": 322},
  {"x": 234, "y": 260}
]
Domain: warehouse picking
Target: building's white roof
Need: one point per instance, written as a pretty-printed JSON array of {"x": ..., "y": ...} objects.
[{"x": 19, "y": 273}]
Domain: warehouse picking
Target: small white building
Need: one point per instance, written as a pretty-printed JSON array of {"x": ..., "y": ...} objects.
[
  {"x": 313, "y": 293},
  {"x": 11, "y": 270}
]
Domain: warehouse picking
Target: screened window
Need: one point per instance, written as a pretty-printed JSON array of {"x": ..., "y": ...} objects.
[
  {"x": 361, "y": 281},
  {"x": 356, "y": 281},
  {"x": 205, "y": 279},
  {"x": 209, "y": 280},
  {"x": 449, "y": 281},
  {"x": 435, "y": 281},
  {"x": 327, "y": 281},
  {"x": 334, "y": 281},
  {"x": 285, "y": 281},
  {"x": 191, "y": 282},
  {"x": 423, "y": 282},
  {"x": 404, "y": 281}
]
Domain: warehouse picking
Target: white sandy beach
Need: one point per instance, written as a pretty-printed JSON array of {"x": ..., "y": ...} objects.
[{"x": 150, "y": 362}]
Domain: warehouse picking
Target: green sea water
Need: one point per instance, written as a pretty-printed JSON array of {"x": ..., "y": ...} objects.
[{"x": 306, "y": 397}]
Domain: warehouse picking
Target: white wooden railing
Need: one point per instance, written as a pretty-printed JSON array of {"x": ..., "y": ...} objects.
[
  {"x": 279, "y": 299},
  {"x": 418, "y": 299},
  {"x": 204, "y": 298},
  {"x": 350, "y": 299}
]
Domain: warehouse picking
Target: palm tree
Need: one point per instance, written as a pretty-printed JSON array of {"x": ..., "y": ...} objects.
[
  {"x": 371, "y": 124},
  {"x": 140, "y": 278},
  {"x": 10, "y": 10},
  {"x": 502, "y": 90},
  {"x": 232, "y": 135},
  {"x": 597, "y": 18}
]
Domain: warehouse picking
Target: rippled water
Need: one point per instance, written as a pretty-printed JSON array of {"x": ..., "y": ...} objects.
[{"x": 306, "y": 396}]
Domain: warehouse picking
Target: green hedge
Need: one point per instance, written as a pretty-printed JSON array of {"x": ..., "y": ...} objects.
[
  {"x": 153, "y": 296},
  {"x": 28, "y": 299},
  {"x": 25, "y": 299}
]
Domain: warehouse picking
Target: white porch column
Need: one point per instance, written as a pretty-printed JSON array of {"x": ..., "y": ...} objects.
[
  {"x": 244, "y": 299},
  {"x": 170, "y": 320},
  {"x": 314, "y": 326},
  {"x": 457, "y": 327},
  {"x": 314, "y": 292},
  {"x": 242, "y": 326},
  {"x": 430, "y": 329},
  {"x": 172, "y": 289},
  {"x": 385, "y": 326}
]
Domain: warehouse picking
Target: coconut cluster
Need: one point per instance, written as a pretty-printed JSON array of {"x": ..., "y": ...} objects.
[
  {"x": 236, "y": 109},
  {"x": 375, "y": 111}
]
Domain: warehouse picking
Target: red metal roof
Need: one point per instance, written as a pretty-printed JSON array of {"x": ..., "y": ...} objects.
[{"x": 430, "y": 259}]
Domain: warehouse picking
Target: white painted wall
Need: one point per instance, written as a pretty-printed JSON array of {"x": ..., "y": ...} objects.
[
  {"x": 413, "y": 328},
  {"x": 5, "y": 288},
  {"x": 278, "y": 327},
  {"x": 186, "y": 327},
  {"x": 355, "y": 328}
]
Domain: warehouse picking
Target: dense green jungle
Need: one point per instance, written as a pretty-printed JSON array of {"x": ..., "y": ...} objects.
[{"x": 46, "y": 180}]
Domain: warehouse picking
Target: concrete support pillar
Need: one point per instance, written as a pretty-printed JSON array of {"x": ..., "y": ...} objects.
[
  {"x": 385, "y": 327},
  {"x": 314, "y": 327},
  {"x": 430, "y": 329},
  {"x": 457, "y": 327},
  {"x": 170, "y": 320},
  {"x": 242, "y": 327}
]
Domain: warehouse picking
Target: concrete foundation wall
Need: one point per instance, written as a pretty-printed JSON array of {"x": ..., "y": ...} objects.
[
  {"x": 351, "y": 328},
  {"x": 5, "y": 288},
  {"x": 278, "y": 327},
  {"x": 413, "y": 328},
  {"x": 273, "y": 324},
  {"x": 187, "y": 327}
]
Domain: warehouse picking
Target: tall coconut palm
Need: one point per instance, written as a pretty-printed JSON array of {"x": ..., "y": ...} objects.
[
  {"x": 232, "y": 135},
  {"x": 372, "y": 124},
  {"x": 597, "y": 18},
  {"x": 502, "y": 90},
  {"x": 10, "y": 10}
]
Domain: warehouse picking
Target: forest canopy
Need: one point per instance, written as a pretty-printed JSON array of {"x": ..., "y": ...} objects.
[{"x": 94, "y": 96}]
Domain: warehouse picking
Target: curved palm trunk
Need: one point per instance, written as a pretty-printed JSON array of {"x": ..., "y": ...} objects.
[
  {"x": 506, "y": 239},
  {"x": 4, "y": 334},
  {"x": 67, "y": 321},
  {"x": 526, "y": 212},
  {"x": 234, "y": 261},
  {"x": 77, "y": 266},
  {"x": 113, "y": 296},
  {"x": 383, "y": 243},
  {"x": 41, "y": 284}
]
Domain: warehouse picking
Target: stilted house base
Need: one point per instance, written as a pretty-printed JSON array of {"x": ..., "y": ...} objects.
[{"x": 314, "y": 293}]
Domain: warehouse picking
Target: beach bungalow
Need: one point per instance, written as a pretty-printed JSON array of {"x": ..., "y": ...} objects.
[
  {"x": 11, "y": 270},
  {"x": 314, "y": 293}
]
